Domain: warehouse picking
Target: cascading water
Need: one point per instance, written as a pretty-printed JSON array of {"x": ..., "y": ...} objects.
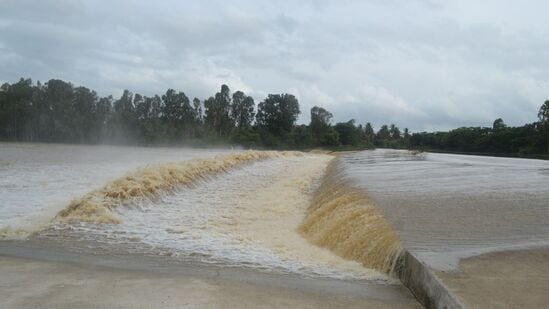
[
  {"x": 345, "y": 220},
  {"x": 259, "y": 209}
]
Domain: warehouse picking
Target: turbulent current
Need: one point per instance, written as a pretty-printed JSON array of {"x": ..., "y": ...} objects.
[
  {"x": 311, "y": 214},
  {"x": 288, "y": 212},
  {"x": 446, "y": 206}
]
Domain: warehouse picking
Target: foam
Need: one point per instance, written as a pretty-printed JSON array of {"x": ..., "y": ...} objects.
[{"x": 149, "y": 182}]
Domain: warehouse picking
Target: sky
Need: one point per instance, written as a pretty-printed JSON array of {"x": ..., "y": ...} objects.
[{"x": 421, "y": 64}]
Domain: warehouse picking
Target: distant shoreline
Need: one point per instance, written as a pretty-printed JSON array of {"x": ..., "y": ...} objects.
[
  {"x": 488, "y": 154},
  {"x": 338, "y": 149}
]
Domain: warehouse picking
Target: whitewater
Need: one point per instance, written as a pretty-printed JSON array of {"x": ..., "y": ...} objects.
[{"x": 279, "y": 212}]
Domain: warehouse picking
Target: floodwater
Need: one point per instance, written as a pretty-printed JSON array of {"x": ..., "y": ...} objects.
[
  {"x": 242, "y": 215},
  {"x": 447, "y": 206},
  {"x": 278, "y": 212},
  {"x": 38, "y": 180}
]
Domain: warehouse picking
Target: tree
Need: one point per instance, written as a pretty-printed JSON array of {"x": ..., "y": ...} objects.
[
  {"x": 278, "y": 113},
  {"x": 322, "y": 133},
  {"x": 498, "y": 124},
  {"x": 16, "y": 106},
  {"x": 348, "y": 133},
  {"x": 178, "y": 113},
  {"x": 217, "y": 110},
  {"x": 242, "y": 110},
  {"x": 102, "y": 117},
  {"x": 394, "y": 132},
  {"x": 543, "y": 127},
  {"x": 320, "y": 119},
  {"x": 543, "y": 113},
  {"x": 383, "y": 133},
  {"x": 59, "y": 96},
  {"x": 122, "y": 126},
  {"x": 84, "y": 106},
  {"x": 197, "y": 106},
  {"x": 369, "y": 132}
]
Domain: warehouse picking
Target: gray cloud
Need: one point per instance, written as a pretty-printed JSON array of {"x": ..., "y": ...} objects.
[{"x": 425, "y": 65}]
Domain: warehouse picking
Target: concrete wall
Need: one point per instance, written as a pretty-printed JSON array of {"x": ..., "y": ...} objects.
[{"x": 424, "y": 284}]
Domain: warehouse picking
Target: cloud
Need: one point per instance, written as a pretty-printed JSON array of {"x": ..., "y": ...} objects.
[{"x": 421, "y": 64}]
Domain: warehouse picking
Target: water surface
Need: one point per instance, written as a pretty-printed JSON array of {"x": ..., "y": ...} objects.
[
  {"x": 38, "y": 180},
  {"x": 447, "y": 206}
]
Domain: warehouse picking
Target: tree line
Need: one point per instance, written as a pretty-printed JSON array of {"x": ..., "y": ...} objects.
[
  {"x": 529, "y": 140},
  {"x": 58, "y": 111}
]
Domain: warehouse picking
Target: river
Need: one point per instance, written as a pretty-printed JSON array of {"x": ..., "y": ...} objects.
[{"x": 446, "y": 206}]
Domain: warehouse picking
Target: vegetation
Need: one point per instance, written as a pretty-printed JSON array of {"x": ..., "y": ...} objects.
[
  {"x": 530, "y": 140},
  {"x": 57, "y": 111}
]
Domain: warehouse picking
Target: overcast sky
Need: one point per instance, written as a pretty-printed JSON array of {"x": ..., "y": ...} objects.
[{"x": 426, "y": 65}]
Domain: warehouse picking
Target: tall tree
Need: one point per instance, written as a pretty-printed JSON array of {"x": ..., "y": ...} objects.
[
  {"x": 320, "y": 119},
  {"x": 278, "y": 113},
  {"x": 59, "y": 97},
  {"x": 369, "y": 132},
  {"x": 543, "y": 113},
  {"x": 122, "y": 126},
  {"x": 498, "y": 124},
  {"x": 242, "y": 110},
  {"x": 199, "y": 113},
  {"x": 349, "y": 133},
  {"x": 84, "y": 107},
  {"x": 383, "y": 133},
  {"x": 322, "y": 133},
  {"x": 406, "y": 133},
  {"x": 394, "y": 132},
  {"x": 217, "y": 110},
  {"x": 178, "y": 113}
]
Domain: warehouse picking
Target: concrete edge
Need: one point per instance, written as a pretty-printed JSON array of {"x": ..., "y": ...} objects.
[{"x": 424, "y": 284}]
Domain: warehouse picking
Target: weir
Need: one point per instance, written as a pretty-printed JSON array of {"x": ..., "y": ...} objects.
[
  {"x": 341, "y": 217},
  {"x": 149, "y": 182},
  {"x": 345, "y": 220},
  {"x": 423, "y": 283}
]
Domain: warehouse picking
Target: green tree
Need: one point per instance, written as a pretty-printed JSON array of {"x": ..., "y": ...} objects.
[
  {"x": 383, "y": 133},
  {"x": 406, "y": 133},
  {"x": 122, "y": 125},
  {"x": 278, "y": 113},
  {"x": 394, "y": 131},
  {"x": 322, "y": 132},
  {"x": 59, "y": 96},
  {"x": 217, "y": 110},
  {"x": 348, "y": 132},
  {"x": 198, "y": 111},
  {"x": 498, "y": 124},
  {"x": 242, "y": 110},
  {"x": 84, "y": 108},
  {"x": 543, "y": 113},
  {"x": 16, "y": 106},
  {"x": 178, "y": 114},
  {"x": 369, "y": 132},
  {"x": 543, "y": 127},
  {"x": 320, "y": 119}
]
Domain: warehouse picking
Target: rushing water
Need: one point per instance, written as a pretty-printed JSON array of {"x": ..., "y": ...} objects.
[
  {"x": 275, "y": 211},
  {"x": 38, "y": 180},
  {"x": 240, "y": 209},
  {"x": 448, "y": 206}
]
